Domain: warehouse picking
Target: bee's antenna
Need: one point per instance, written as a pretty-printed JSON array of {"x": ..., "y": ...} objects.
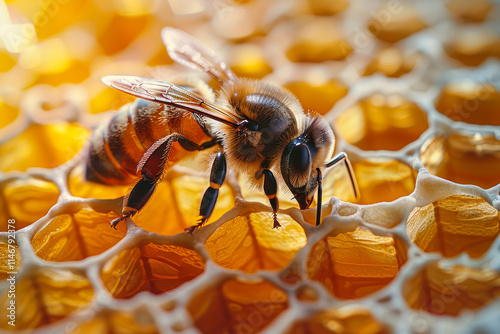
[{"x": 342, "y": 156}]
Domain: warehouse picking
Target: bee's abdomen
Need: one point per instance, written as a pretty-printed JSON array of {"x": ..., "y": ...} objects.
[
  {"x": 101, "y": 167},
  {"x": 150, "y": 121},
  {"x": 116, "y": 148}
]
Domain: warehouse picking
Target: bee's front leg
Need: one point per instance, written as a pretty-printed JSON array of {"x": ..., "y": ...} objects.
[
  {"x": 151, "y": 168},
  {"x": 217, "y": 177}
]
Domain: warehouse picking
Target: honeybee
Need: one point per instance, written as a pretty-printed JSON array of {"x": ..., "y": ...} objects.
[{"x": 260, "y": 130}]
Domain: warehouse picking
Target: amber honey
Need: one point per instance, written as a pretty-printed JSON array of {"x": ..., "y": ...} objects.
[
  {"x": 379, "y": 180},
  {"x": 354, "y": 264},
  {"x": 247, "y": 243},
  {"x": 441, "y": 294},
  {"x": 470, "y": 102},
  {"x": 468, "y": 159},
  {"x": 454, "y": 225},
  {"x": 374, "y": 122},
  {"x": 317, "y": 94},
  {"x": 151, "y": 267}
]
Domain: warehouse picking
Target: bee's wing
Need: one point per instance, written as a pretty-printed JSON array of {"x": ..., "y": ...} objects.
[
  {"x": 167, "y": 93},
  {"x": 185, "y": 50}
]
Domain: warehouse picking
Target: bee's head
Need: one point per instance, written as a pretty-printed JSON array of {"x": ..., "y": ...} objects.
[{"x": 303, "y": 155}]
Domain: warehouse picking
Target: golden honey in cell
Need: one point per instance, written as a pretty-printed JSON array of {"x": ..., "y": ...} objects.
[{"x": 260, "y": 129}]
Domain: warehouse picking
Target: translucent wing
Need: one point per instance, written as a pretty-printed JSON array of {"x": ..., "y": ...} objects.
[
  {"x": 185, "y": 50},
  {"x": 167, "y": 93}
]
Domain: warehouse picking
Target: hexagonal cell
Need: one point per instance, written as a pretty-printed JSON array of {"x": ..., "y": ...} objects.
[
  {"x": 375, "y": 121},
  {"x": 346, "y": 320},
  {"x": 355, "y": 264},
  {"x": 472, "y": 46},
  {"x": 48, "y": 295},
  {"x": 249, "y": 242},
  {"x": 26, "y": 200},
  {"x": 316, "y": 94},
  {"x": 248, "y": 61},
  {"x": 470, "y": 102},
  {"x": 395, "y": 21},
  {"x": 441, "y": 290},
  {"x": 237, "y": 306},
  {"x": 150, "y": 267},
  {"x": 176, "y": 203},
  {"x": 379, "y": 180},
  {"x": 138, "y": 321},
  {"x": 41, "y": 146},
  {"x": 466, "y": 159},
  {"x": 79, "y": 187},
  {"x": 76, "y": 236},
  {"x": 392, "y": 62},
  {"x": 468, "y": 11},
  {"x": 316, "y": 40},
  {"x": 454, "y": 225},
  {"x": 11, "y": 258}
]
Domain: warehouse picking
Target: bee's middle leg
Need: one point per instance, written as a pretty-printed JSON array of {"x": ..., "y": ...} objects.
[
  {"x": 217, "y": 177},
  {"x": 151, "y": 168}
]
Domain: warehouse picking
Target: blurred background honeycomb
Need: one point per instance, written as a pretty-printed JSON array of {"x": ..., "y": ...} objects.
[{"x": 411, "y": 89}]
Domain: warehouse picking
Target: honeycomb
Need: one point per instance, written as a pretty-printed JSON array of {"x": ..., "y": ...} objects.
[{"x": 412, "y": 91}]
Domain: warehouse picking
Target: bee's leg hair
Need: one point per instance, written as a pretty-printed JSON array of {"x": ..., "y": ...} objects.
[
  {"x": 343, "y": 157},
  {"x": 217, "y": 177},
  {"x": 271, "y": 188},
  {"x": 151, "y": 168}
]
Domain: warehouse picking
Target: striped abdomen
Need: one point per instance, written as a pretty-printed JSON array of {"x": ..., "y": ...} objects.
[{"x": 116, "y": 148}]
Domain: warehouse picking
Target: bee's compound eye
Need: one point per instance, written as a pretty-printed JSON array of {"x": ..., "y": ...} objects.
[
  {"x": 300, "y": 158},
  {"x": 296, "y": 164},
  {"x": 252, "y": 125}
]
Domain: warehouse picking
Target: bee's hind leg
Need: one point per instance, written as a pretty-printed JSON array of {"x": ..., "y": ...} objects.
[
  {"x": 217, "y": 177},
  {"x": 151, "y": 168},
  {"x": 135, "y": 200}
]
